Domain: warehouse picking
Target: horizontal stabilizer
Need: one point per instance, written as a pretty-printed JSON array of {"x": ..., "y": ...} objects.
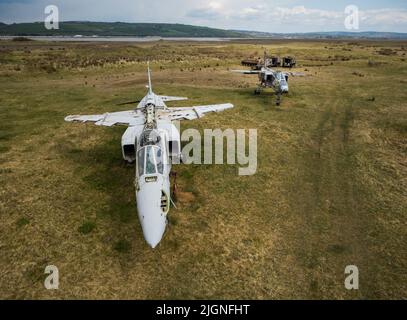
[{"x": 168, "y": 98}]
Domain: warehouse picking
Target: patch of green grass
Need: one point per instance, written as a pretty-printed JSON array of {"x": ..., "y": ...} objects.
[
  {"x": 187, "y": 175},
  {"x": 337, "y": 248},
  {"x": 4, "y": 149},
  {"x": 122, "y": 246},
  {"x": 22, "y": 222},
  {"x": 6, "y": 135},
  {"x": 397, "y": 124},
  {"x": 35, "y": 274},
  {"x": 173, "y": 220},
  {"x": 87, "y": 227}
]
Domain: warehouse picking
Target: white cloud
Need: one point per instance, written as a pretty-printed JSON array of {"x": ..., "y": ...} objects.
[
  {"x": 254, "y": 12},
  {"x": 210, "y": 11},
  {"x": 303, "y": 19},
  {"x": 215, "y": 5},
  {"x": 302, "y": 11},
  {"x": 384, "y": 16}
]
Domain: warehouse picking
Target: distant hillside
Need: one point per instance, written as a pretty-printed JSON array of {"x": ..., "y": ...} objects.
[
  {"x": 73, "y": 28},
  {"x": 325, "y": 35}
]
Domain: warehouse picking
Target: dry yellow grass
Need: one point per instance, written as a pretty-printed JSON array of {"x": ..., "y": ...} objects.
[{"x": 329, "y": 191}]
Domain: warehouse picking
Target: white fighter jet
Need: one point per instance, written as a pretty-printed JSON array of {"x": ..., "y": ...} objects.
[{"x": 153, "y": 142}]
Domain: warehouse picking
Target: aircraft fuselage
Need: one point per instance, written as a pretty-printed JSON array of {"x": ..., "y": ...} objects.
[{"x": 152, "y": 146}]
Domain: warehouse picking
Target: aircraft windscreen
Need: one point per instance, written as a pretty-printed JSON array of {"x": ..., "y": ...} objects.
[
  {"x": 150, "y": 161},
  {"x": 140, "y": 161}
]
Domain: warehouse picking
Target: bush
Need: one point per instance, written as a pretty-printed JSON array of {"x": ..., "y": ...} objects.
[{"x": 21, "y": 39}]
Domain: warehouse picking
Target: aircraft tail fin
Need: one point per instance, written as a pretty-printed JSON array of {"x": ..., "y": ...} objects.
[{"x": 265, "y": 58}]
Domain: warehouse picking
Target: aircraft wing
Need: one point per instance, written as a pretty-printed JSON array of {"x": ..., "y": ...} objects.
[
  {"x": 126, "y": 118},
  {"x": 191, "y": 113},
  {"x": 247, "y": 71},
  {"x": 168, "y": 98}
]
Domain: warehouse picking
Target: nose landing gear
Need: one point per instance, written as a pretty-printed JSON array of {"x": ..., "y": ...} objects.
[{"x": 278, "y": 99}]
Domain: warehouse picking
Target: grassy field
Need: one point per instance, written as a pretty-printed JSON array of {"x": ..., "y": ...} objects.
[{"x": 330, "y": 189}]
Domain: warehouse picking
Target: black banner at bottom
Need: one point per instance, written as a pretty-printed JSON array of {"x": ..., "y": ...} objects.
[{"x": 211, "y": 309}]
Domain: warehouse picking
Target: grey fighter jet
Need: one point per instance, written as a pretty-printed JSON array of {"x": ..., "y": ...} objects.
[
  {"x": 153, "y": 142},
  {"x": 270, "y": 78}
]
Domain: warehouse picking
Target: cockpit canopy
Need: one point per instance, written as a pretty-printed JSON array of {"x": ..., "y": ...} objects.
[
  {"x": 150, "y": 137},
  {"x": 150, "y": 161}
]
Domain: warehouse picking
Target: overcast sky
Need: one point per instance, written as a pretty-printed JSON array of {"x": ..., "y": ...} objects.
[{"x": 258, "y": 15}]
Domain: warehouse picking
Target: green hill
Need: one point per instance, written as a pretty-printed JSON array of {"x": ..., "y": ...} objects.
[
  {"x": 122, "y": 29},
  {"x": 71, "y": 28}
]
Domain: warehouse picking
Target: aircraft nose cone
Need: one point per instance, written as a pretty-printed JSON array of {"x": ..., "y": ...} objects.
[
  {"x": 153, "y": 242},
  {"x": 153, "y": 225},
  {"x": 152, "y": 219}
]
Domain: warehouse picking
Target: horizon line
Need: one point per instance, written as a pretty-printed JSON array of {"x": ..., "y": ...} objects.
[{"x": 202, "y": 26}]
